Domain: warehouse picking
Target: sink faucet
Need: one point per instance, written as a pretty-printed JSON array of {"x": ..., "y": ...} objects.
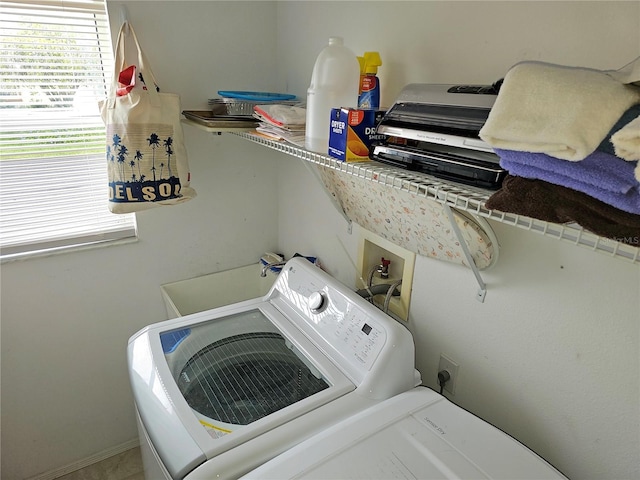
[{"x": 263, "y": 273}]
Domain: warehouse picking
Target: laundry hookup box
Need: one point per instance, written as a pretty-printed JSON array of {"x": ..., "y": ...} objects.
[{"x": 351, "y": 133}]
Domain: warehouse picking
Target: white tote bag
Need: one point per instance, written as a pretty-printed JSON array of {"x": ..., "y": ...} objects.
[{"x": 146, "y": 156}]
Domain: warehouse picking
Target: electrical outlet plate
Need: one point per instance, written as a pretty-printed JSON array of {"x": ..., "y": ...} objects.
[
  {"x": 452, "y": 367},
  {"x": 372, "y": 249}
]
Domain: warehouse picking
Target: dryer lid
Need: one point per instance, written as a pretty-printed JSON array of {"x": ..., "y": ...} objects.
[{"x": 417, "y": 434}]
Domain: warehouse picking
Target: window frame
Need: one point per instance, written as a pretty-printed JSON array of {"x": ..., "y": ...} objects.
[{"x": 60, "y": 129}]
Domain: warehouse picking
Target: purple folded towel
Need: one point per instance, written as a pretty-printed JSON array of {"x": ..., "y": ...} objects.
[{"x": 600, "y": 175}]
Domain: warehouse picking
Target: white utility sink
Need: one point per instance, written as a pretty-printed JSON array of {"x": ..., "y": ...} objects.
[{"x": 215, "y": 290}]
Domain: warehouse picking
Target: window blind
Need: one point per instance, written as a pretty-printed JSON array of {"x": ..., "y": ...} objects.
[{"x": 55, "y": 64}]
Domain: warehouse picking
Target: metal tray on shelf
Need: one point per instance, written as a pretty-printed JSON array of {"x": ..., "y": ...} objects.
[{"x": 208, "y": 119}]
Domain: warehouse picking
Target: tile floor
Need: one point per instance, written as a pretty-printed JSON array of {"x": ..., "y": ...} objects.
[{"x": 125, "y": 466}]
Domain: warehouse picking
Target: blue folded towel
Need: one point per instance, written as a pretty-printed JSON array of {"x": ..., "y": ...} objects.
[{"x": 600, "y": 175}]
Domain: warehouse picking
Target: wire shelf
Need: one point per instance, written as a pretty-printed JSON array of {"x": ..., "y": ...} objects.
[{"x": 469, "y": 199}]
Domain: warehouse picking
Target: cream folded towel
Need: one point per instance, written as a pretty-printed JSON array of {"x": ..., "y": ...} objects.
[
  {"x": 564, "y": 112},
  {"x": 626, "y": 143}
]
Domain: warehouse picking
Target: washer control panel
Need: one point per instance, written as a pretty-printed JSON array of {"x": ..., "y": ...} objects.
[
  {"x": 334, "y": 314},
  {"x": 359, "y": 335}
]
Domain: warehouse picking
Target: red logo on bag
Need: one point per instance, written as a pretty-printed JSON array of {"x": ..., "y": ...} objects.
[{"x": 126, "y": 78}]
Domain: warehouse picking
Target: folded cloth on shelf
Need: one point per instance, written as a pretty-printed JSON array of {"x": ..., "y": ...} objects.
[
  {"x": 558, "y": 204},
  {"x": 600, "y": 175},
  {"x": 278, "y": 134},
  {"x": 562, "y": 111},
  {"x": 627, "y": 117},
  {"x": 283, "y": 116},
  {"x": 626, "y": 141}
]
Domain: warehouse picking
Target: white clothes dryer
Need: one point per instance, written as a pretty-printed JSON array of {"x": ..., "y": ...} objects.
[
  {"x": 220, "y": 392},
  {"x": 418, "y": 434}
]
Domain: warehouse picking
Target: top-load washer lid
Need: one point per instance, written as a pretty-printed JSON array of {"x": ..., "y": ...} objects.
[
  {"x": 235, "y": 380},
  {"x": 228, "y": 375},
  {"x": 417, "y": 434}
]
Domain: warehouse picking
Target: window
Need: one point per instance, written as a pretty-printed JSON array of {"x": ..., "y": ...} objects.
[{"x": 55, "y": 64}]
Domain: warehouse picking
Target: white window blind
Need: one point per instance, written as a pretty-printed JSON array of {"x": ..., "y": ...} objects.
[{"x": 55, "y": 64}]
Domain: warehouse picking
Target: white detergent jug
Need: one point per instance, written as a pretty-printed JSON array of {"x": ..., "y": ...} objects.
[{"x": 334, "y": 83}]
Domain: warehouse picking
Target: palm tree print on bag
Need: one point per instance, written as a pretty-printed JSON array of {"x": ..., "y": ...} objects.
[{"x": 144, "y": 177}]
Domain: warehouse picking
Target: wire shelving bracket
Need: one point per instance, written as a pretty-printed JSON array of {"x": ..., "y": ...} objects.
[{"x": 482, "y": 287}]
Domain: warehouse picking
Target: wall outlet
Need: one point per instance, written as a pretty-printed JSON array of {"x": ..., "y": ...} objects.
[
  {"x": 452, "y": 367},
  {"x": 372, "y": 249}
]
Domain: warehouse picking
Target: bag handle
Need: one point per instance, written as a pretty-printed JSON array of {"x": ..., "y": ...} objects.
[{"x": 119, "y": 64}]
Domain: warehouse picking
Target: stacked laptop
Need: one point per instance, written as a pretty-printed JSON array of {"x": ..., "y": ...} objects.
[{"x": 434, "y": 129}]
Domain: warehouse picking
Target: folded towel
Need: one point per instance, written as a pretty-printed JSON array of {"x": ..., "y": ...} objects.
[
  {"x": 627, "y": 117},
  {"x": 600, "y": 175},
  {"x": 626, "y": 141},
  {"x": 562, "y": 111},
  {"x": 557, "y": 204}
]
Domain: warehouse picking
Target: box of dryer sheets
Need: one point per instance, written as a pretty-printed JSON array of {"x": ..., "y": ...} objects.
[{"x": 352, "y": 131}]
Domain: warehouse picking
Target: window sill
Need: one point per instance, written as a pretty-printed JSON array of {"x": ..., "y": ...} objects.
[{"x": 50, "y": 252}]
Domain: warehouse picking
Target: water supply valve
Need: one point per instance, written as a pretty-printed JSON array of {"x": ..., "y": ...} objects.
[{"x": 383, "y": 268}]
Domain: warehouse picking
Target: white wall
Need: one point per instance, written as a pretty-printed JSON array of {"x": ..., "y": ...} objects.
[
  {"x": 66, "y": 319},
  {"x": 551, "y": 356}
]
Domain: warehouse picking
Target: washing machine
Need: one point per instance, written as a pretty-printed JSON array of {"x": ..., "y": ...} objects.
[
  {"x": 220, "y": 392},
  {"x": 418, "y": 434}
]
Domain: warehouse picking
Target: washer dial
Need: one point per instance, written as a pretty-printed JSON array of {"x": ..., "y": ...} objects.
[{"x": 317, "y": 301}]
